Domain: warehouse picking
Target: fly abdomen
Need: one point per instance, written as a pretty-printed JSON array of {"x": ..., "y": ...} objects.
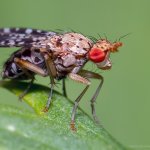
[{"x": 12, "y": 71}]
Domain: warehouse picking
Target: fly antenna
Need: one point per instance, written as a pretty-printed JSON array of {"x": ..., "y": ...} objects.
[
  {"x": 116, "y": 40},
  {"x": 93, "y": 38},
  {"x": 105, "y": 36},
  {"x": 124, "y": 36},
  {"x": 99, "y": 36}
]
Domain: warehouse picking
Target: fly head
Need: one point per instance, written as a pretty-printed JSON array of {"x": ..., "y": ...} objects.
[{"x": 100, "y": 53}]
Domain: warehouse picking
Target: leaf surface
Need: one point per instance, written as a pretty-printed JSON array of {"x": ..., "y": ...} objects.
[{"x": 24, "y": 129}]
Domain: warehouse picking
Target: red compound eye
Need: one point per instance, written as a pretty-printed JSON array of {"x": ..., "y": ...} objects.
[{"x": 97, "y": 55}]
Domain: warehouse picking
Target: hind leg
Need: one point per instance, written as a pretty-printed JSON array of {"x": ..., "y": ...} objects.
[
  {"x": 26, "y": 90},
  {"x": 29, "y": 75},
  {"x": 51, "y": 72}
]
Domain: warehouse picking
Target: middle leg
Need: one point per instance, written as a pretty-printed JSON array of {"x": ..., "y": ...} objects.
[{"x": 52, "y": 74}]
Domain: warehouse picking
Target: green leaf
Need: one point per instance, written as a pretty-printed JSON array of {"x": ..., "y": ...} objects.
[{"x": 23, "y": 129}]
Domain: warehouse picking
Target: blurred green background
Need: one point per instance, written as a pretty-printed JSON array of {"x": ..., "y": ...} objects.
[{"x": 124, "y": 102}]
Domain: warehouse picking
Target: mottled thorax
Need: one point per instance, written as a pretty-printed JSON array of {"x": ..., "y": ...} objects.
[{"x": 69, "y": 51}]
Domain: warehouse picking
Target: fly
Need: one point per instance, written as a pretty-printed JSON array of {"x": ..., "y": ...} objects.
[{"x": 58, "y": 56}]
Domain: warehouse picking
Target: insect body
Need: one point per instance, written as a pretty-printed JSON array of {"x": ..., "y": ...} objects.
[{"x": 57, "y": 56}]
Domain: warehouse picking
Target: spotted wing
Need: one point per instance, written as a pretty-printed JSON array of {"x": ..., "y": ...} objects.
[{"x": 23, "y": 37}]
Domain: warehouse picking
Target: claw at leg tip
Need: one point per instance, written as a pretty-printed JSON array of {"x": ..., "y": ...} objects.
[
  {"x": 45, "y": 109},
  {"x": 72, "y": 126}
]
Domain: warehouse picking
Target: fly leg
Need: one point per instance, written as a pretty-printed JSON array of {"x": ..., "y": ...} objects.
[
  {"x": 52, "y": 74},
  {"x": 26, "y": 90},
  {"x": 89, "y": 74},
  {"x": 30, "y": 83},
  {"x": 30, "y": 76},
  {"x": 51, "y": 71},
  {"x": 85, "y": 81},
  {"x": 64, "y": 87},
  {"x": 25, "y": 66}
]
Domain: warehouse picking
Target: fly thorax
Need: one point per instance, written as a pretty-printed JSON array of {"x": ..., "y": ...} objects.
[
  {"x": 65, "y": 63},
  {"x": 76, "y": 43},
  {"x": 69, "y": 52},
  {"x": 68, "y": 60},
  {"x": 72, "y": 42}
]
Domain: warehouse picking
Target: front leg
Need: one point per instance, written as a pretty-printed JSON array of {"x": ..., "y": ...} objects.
[
  {"x": 89, "y": 74},
  {"x": 82, "y": 80}
]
